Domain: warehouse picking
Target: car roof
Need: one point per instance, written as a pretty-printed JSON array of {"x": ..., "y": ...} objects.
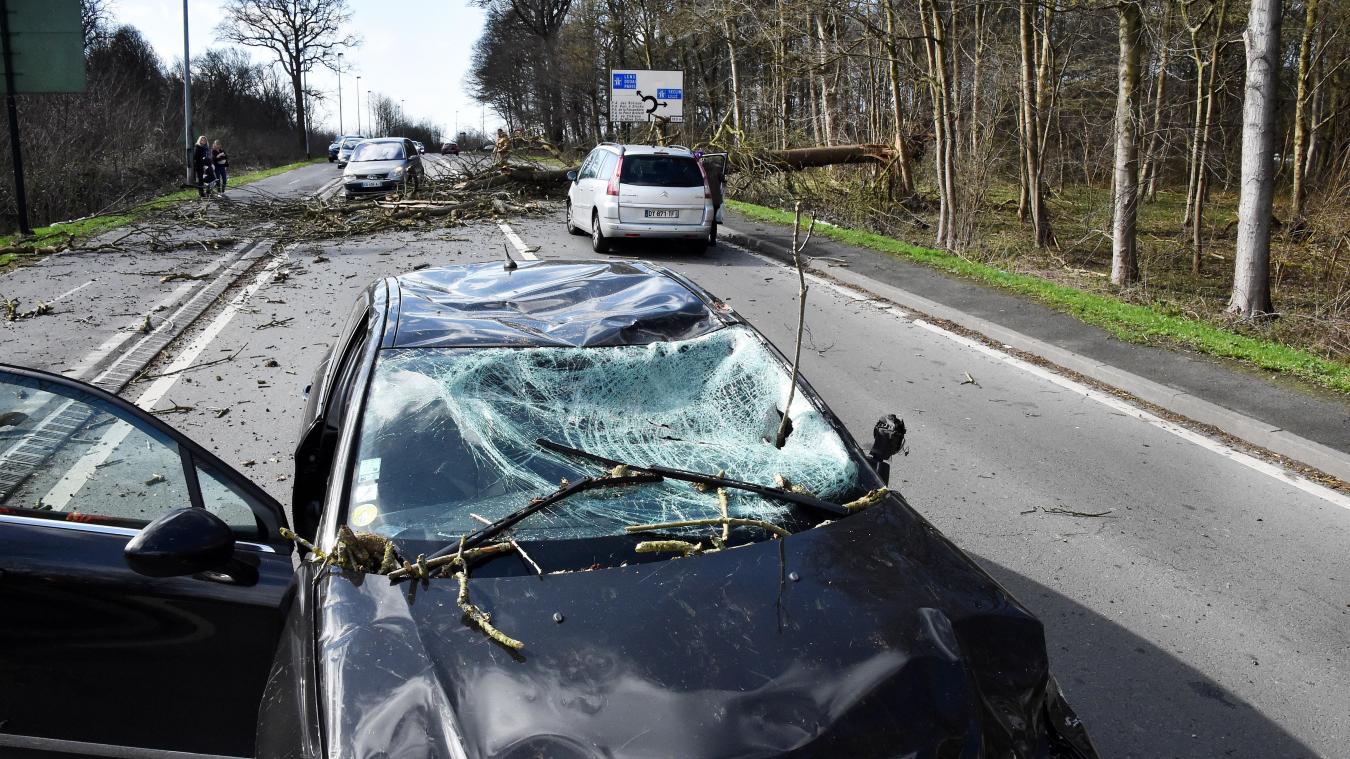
[
  {"x": 548, "y": 303},
  {"x": 676, "y": 150}
]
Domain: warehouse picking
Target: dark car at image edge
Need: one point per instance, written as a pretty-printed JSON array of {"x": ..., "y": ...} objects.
[{"x": 458, "y": 392}]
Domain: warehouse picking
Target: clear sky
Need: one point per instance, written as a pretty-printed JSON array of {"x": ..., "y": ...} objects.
[{"x": 414, "y": 50}]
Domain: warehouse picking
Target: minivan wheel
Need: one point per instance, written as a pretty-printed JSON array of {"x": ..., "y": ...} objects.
[
  {"x": 567, "y": 218},
  {"x": 599, "y": 243}
]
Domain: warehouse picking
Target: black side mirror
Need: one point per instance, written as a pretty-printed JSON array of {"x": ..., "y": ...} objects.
[
  {"x": 571, "y": 176},
  {"x": 181, "y": 542},
  {"x": 888, "y": 439}
]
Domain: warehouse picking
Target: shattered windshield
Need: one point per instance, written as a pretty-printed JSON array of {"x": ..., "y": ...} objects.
[{"x": 448, "y": 436}]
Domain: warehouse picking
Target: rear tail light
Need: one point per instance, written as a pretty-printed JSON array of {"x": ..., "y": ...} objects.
[
  {"x": 707, "y": 186},
  {"x": 613, "y": 188}
]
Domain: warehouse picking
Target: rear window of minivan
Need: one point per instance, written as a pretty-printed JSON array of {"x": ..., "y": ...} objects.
[{"x": 661, "y": 171}]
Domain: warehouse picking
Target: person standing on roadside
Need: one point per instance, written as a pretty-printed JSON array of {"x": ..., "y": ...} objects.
[
  {"x": 202, "y": 163},
  {"x": 502, "y": 148},
  {"x": 220, "y": 161}
]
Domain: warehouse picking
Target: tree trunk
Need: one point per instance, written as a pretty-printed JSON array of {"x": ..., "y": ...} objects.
[
  {"x": 1043, "y": 237},
  {"x": 300, "y": 116},
  {"x": 735, "y": 81},
  {"x": 1148, "y": 176},
  {"x": 827, "y": 94},
  {"x": 893, "y": 74},
  {"x": 1124, "y": 263},
  {"x": 1251, "y": 269},
  {"x": 1301, "y": 113}
]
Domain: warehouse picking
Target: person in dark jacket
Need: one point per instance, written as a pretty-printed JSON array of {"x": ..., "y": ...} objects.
[
  {"x": 201, "y": 162},
  {"x": 220, "y": 161}
]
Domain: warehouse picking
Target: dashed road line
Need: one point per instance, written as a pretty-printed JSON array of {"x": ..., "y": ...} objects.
[{"x": 525, "y": 251}]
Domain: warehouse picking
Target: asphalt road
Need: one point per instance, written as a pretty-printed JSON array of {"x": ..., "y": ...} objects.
[{"x": 1204, "y": 613}]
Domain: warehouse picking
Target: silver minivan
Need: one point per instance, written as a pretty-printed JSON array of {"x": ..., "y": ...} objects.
[{"x": 642, "y": 192}]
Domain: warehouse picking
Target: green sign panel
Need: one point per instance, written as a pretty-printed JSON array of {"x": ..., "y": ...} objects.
[{"x": 46, "y": 43}]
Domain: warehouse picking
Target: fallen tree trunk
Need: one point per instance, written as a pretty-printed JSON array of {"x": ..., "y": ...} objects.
[{"x": 793, "y": 159}]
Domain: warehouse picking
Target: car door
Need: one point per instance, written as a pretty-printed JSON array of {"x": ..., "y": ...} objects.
[
  {"x": 414, "y": 157},
  {"x": 715, "y": 168},
  {"x": 580, "y": 192},
  {"x": 91, "y": 652}
]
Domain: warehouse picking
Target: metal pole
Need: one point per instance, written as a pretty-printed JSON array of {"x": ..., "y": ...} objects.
[
  {"x": 341, "y": 130},
  {"x": 358, "y": 105},
  {"x": 304, "y": 93},
  {"x": 20, "y": 193},
  {"x": 370, "y": 117},
  {"x": 187, "y": 101}
]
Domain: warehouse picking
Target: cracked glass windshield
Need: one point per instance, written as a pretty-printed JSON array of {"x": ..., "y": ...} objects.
[{"x": 449, "y": 436}]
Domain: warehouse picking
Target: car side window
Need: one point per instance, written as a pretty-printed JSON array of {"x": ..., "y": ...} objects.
[
  {"x": 606, "y": 168},
  {"x": 588, "y": 166},
  {"x": 69, "y": 455}
]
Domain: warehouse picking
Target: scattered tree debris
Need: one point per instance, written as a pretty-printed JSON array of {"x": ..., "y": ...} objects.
[
  {"x": 1066, "y": 512},
  {"x": 969, "y": 380},
  {"x": 13, "y": 314},
  {"x": 872, "y": 498},
  {"x": 682, "y": 547},
  {"x": 156, "y": 479},
  {"x": 731, "y": 521},
  {"x": 178, "y": 275}
]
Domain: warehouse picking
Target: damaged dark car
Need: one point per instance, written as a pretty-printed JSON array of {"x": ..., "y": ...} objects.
[{"x": 565, "y": 509}]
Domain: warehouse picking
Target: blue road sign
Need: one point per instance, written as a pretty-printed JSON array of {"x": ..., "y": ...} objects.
[
  {"x": 674, "y": 94},
  {"x": 625, "y": 81}
]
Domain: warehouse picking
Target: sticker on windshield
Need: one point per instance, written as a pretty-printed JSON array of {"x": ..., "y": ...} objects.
[
  {"x": 368, "y": 470},
  {"x": 364, "y": 514},
  {"x": 366, "y": 491}
]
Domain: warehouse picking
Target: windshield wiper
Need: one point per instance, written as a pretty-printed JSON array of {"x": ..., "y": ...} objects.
[
  {"x": 801, "y": 499},
  {"x": 490, "y": 531}
]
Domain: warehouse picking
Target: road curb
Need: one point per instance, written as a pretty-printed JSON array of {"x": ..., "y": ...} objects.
[{"x": 1172, "y": 399}]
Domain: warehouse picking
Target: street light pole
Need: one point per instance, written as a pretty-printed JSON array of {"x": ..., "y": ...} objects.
[
  {"x": 370, "y": 117},
  {"x": 187, "y": 100},
  {"x": 341, "y": 130},
  {"x": 358, "y": 105}
]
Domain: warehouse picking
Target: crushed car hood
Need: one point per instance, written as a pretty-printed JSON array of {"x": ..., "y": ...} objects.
[{"x": 868, "y": 637}]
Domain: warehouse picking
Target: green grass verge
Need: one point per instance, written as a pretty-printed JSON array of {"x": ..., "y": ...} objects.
[
  {"x": 1127, "y": 321},
  {"x": 74, "y": 231}
]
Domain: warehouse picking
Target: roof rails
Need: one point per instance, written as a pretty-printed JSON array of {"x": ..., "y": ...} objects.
[{"x": 618, "y": 145}]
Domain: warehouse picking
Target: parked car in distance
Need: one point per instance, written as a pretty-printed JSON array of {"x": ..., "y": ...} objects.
[
  {"x": 449, "y": 148},
  {"x": 830, "y": 620},
  {"x": 345, "y": 149},
  {"x": 336, "y": 145},
  {"x": 421, "y": 149},
  {"x": 382, "y": 165},
  {"x": 641, "y": 192}
]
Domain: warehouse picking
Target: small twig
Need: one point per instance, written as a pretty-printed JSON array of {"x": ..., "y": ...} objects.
[
  {"x": 666, "y": 546},
  {"x": 732, "y": 521},
  {"x": 1067, "y": 512},
  {"x": 514, "y": 545}
]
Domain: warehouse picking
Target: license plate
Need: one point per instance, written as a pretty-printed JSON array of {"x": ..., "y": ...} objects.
[
  {"x": 371, "y": 183},
  {"x": 660, "y": 213}
]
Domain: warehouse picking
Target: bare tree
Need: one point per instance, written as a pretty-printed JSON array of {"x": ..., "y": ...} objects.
[
  {"x": 1125, "y": 197},
  {"x": 544, "y": 18},
  {"x": 1251, "y": 269},
  {"x": 302, "y": 34}
]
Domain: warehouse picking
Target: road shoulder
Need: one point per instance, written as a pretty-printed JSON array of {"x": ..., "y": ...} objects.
[{"x": 1310, "y": 428}]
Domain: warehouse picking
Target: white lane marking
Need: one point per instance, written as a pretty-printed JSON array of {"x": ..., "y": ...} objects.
[
  {"x": 71, "y": 291},
  {"x": 1251, "y": 462},
  {"x": 75, "y": 478},
  {"x": 177, "y": 296},
  {"x": 329, "y": 188},
  {"x": 516, "y": 242}
]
